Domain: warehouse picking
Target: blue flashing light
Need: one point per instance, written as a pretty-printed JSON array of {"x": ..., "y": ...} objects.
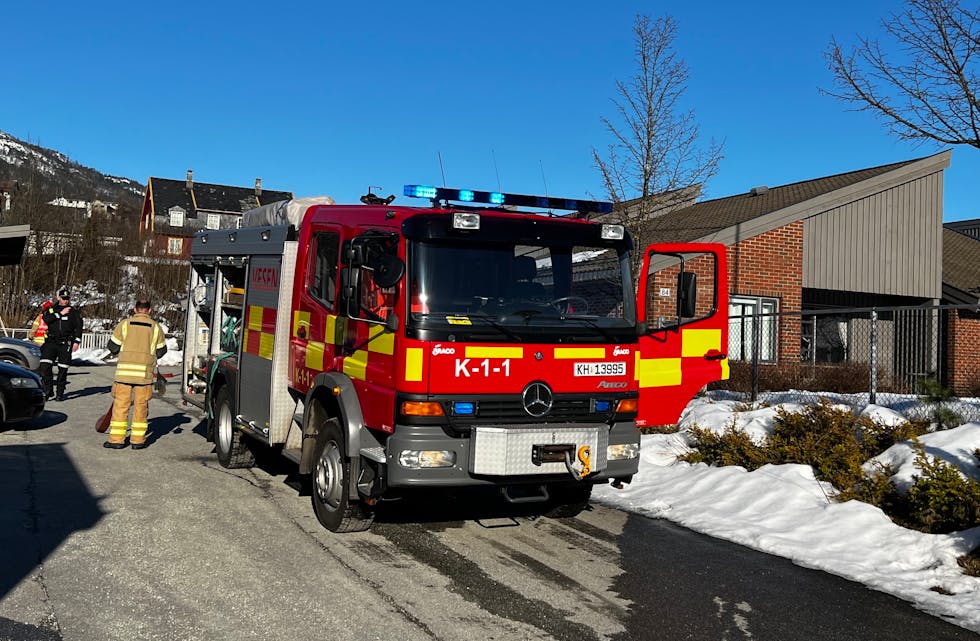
[
  {"x": 497, "y": 198},
  {"x": 420, "y": 191},
  {"x": 602, "y": 406},
  {"x": 464, "y": 408}
]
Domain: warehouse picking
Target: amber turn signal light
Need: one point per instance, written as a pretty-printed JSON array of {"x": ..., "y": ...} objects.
[
  {"x": 627, "y": 405},
  {"x": 422, "y": 408}
]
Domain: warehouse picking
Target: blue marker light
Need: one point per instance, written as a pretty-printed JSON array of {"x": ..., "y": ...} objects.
[
  {"x": 602, "y": 406},
  {"x": 420, "y": 191},
  {"x": 466, "y": 195},
  {"x": 464, "y": 408},
  {"x": 496, "y": 198}
]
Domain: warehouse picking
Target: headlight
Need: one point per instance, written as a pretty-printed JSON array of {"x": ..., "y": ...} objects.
[
  {"x": 416, "y": 459},
  {"x": 23, "y": 382},
  {"x": 624, "y": 451}
]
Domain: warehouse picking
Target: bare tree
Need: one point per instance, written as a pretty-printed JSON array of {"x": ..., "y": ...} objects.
[
  {"x": 655, "y": 162},
  {"x": 925, "y": 86}
]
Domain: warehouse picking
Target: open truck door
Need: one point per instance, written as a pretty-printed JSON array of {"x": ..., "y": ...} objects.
[{"x": 682, "y": 310}]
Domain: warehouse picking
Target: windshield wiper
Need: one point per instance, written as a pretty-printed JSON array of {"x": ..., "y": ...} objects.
[
  {"x": 590, "y": 321},
  {"x": 493, "y": 323}
]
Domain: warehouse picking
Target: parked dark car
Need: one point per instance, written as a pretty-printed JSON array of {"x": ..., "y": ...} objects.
[
  {"x": 19, "y": 352},
  {"x": 21, "y": 394}
]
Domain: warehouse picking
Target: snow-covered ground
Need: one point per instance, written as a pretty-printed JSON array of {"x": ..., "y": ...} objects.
[{"x": 784, "y": 510}]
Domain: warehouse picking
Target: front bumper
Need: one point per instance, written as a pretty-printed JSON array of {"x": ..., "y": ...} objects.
[
  {"x": 23, "y": 404},
  {"x": 415, "y": 437}
]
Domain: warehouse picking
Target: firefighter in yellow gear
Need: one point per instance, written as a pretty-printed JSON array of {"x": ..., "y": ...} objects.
[{"x": 139, "y": 341}]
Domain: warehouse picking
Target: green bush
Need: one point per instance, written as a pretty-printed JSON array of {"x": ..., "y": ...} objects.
[
  {"x": 836, "y": 443},
  {"x": 942, "y": 499},
  {"x": 731, "y": 447}
]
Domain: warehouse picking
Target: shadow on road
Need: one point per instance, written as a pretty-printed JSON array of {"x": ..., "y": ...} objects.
[
  {"x": 45, "y": 500},
  {"x": 88, "y": 391},
  {"x": 163, "y": 425},
  {"x": 48, "y": 418}
]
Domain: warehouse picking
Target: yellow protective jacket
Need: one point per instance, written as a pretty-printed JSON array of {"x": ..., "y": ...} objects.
[
  {"x": 139, "y": 341},
  {"x": 39, "y": 329}
]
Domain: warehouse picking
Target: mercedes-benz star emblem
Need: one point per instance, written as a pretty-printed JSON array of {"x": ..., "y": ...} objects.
[{"x": 537, "y": 399}]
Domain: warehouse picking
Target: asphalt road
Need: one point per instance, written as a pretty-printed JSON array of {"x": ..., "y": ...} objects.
[{"x": 163, "y": 543}]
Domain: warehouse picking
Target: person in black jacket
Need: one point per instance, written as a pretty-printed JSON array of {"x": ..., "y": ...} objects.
[{"x": 63, "y": 338}]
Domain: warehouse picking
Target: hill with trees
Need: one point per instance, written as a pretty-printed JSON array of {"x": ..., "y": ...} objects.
[{"x": 91, "y": 245}]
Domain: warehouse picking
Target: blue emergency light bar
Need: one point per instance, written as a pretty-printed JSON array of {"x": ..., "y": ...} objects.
[{"x": 498, "y": 198}]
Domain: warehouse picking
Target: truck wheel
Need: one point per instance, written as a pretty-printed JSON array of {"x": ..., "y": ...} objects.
[
  {"x": 331, "y": 478},
  {"x": 568, "y": 500},
  {"x": 229, "y": 442}
]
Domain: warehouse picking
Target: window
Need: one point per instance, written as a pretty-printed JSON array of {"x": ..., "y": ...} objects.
[
  {"x": 751, "y": 319},
  {"x": 175, "y": 246},
  {"x": 214, "y": 221},
  {"x": 323, "y": 285},
  {"x": 176, "y": 216},
  {"x": 376, "y": 302}
]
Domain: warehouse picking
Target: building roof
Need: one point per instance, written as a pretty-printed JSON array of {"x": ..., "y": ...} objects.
[
  {"x": 707, "y": 220},
  {"x": 207, "y": 197},
  {"x": 968, "y": 227},
  {"x": 961, "y": 268},
  {"x": 13, "y": 239}
]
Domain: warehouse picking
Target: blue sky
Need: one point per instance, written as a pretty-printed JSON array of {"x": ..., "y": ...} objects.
[{"x": 329, "y": 98}]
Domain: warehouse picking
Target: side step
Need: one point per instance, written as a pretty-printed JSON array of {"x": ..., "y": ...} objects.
[{"x": 524, "y": 493}]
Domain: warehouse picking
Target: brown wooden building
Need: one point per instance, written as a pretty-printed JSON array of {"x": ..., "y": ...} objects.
[{"x": 175, "y": 210}]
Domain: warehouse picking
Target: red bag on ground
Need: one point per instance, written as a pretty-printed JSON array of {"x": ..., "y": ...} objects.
[{"x": 102, "y": 424}]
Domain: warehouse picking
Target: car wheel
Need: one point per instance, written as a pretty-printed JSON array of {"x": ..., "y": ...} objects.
[
  {"x": 331, "y": 477},
  {"x": 13, "y": 359},
  {"x": 230, "y": 444}
]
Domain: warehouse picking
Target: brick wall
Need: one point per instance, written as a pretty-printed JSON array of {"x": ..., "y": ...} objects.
[
  {"x": 963, "y": 354},
  {"x": 771, "y": 265}
]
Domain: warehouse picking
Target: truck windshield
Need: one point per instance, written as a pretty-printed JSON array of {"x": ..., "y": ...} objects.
[{"x": 519, "y": 292}]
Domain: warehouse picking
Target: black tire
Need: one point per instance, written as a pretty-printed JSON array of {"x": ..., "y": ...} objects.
[
  {"x": 567, "y": 501},
  {"x": 329, "y": 484},
  {"x": 230, "y": 444},
  {"x": 13, "y": 359}
]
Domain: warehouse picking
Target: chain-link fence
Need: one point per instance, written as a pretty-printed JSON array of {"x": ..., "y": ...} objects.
[{"x": 922, "y": 361}]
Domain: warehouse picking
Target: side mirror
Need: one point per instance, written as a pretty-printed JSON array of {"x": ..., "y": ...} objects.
[
  {"x": 388, "y": 270},
  {"x": 350, "y": 292},
  {"x": 687, "y": 294}
]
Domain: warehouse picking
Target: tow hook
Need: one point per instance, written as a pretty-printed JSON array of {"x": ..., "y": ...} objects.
[{"x": 585, "y": 458}]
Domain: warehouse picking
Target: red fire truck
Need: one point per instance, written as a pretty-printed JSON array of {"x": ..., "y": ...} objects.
[{"x": 473, "y": 342}]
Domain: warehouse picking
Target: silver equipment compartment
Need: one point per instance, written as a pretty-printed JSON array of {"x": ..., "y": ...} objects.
[{"x": 508, "y": 451}]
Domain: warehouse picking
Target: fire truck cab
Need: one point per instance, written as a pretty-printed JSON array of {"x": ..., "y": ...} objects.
[{"x": 384, "y": 348}]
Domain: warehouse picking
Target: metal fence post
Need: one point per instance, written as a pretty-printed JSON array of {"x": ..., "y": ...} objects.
[
  {"x": 872, "y": 396},
  {"x": 756, "y": 335}
]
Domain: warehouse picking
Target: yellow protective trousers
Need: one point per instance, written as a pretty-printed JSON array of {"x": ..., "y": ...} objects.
[{"x": 124, "y": 395}]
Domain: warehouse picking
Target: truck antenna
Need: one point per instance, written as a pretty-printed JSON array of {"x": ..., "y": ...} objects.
[
  {"x": 543, "y": 179},
  {"x": 493, "y": 157},
  {"x": 441, "y": 168}
]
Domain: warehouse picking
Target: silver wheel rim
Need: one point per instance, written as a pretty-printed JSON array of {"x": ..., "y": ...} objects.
[
  {"x": 328, "y": 476},
  {"x": 224, "y": 428}
]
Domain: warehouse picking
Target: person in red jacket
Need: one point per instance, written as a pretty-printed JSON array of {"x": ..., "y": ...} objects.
[{"x": 39, "y": 328}]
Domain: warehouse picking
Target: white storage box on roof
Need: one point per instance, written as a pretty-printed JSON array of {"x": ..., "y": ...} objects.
[{"x": 283, "y": 212}]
